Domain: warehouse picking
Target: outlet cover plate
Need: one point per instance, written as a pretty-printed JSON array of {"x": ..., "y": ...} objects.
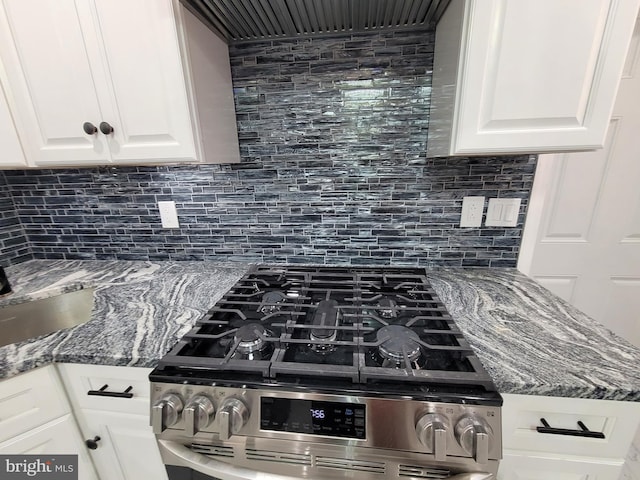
[
  {"x": 502, "y": 212},
  {"x": 168, "y": 214},
  {"x": 472, "y": 209}
]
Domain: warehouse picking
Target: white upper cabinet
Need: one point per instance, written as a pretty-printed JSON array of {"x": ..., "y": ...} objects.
[
  {"x": 532, "y": 76},
  {"x": 101, "y": 82},
  {"x": 145, "y": 99},
  {"x": 12, "y": 155},
  {"x": 48, "y": 67}
]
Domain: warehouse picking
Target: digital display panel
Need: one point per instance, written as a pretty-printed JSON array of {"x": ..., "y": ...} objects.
[{"x": 313, "y": 417}]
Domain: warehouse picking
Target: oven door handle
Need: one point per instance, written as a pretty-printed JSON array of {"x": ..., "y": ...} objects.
[{"x": 174, "y": 453}]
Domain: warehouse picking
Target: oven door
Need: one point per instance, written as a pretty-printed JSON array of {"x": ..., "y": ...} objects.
[{"x": 184, "y": 464}]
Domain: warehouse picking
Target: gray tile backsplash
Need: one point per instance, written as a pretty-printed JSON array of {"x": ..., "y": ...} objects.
[
  {"x": 333, "y": 140},
  {"x": 14, "y": 247}
]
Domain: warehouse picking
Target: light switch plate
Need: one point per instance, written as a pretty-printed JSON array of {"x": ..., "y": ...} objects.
[
  {"x": 502, "y": 212},
  {"x": 472, "y": 208},
  {"x": 168, "y": 214}
]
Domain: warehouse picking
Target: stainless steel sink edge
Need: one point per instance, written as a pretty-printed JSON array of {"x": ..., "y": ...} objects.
[
  {"x": 17, "y": 297},
  {"x": 35, "y": 317}
]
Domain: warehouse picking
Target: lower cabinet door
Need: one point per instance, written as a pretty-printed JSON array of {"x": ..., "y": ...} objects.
[
  {"x": 533, "y": 466},
  {"x": 127, "y": 449},
  {"x": 30, "y": 400},
  {"x": 58, "y": 437}
]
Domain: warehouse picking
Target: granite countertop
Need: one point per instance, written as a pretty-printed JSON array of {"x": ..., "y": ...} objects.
[
  {"x": 529, "y": 340},
  {"x": 140, "y": 309}
]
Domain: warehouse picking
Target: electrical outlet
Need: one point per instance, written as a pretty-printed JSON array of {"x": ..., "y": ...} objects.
[
  {"x": 472, "y": 208},
  {"x": 168, "y": 214}
]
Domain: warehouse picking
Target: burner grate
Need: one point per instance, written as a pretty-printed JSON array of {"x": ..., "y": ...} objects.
[{"x": 366, "y": 325}]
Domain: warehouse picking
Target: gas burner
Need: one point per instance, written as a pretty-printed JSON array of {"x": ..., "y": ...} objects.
[
  {"x": 398, "y": 340},
  {"x": 324, "y": 348},
  {"x": 271, "y": 302},
  {"x": 387, "y": 307},
  {"x": 250, "y": 339}
]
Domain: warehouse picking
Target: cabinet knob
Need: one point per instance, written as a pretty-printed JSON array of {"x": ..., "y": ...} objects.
[
  {"x": 89, "y": 128},
  {"x": 92, "y": 443},
  {"x": 106, "y": 128}
]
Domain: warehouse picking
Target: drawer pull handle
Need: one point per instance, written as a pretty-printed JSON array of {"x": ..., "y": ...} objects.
[
  {"x": 103, "y": 392},
  {"x": 583, "y": 432}
]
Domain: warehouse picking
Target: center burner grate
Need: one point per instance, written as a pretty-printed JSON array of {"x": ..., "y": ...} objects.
[{"x": 366, "y": 324}]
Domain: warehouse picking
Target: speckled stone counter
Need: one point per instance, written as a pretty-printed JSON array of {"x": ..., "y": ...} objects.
[
  {"x": 530, "y": 341},
  {"x": 140, "y": 310}
]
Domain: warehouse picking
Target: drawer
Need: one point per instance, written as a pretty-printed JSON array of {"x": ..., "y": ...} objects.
[
  {"x": 30, "y": 400},
  {"x": 532, "y": 466},
  {"x": 81, "y": 379},
  {"x": 521, "y": 415}
]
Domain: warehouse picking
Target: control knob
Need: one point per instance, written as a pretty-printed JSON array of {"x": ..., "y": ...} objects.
[
  {"x": 473, "y": 434},
  {"x": 432, "y": 432},
  {"x": 233, "y": 415},
  {"x": 166, "y": 412},
  {"x": 198, "y": 414}
]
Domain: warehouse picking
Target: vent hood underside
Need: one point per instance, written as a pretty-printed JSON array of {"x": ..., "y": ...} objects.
[{"x": 241, "y": 20}]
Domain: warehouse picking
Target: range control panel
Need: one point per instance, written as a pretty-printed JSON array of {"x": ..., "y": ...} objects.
[
  {"x": 444, "y": 430},
  {"x": 335, "y": 419}
]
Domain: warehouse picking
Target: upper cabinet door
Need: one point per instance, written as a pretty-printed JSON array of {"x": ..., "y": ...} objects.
[
  {"x": 113, "y": 64},
  {"x": 537, "y": 76},
  {"x": 12, "y": 155},
  {"x": 145, "y": 94},
  {"x": 47, "y": 66}
]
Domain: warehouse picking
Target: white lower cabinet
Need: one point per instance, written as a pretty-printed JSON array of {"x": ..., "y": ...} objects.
[
  {"x": 36, "y": 419},
  {"x": 522, "y": 465},
  {"x": 30, "y": 400},
  {"x": 531, "y": 455},
  {"x": 127, "y": 449},
  {"x": 58, "y": 437}
]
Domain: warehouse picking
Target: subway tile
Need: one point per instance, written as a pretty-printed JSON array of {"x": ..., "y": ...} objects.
[{"x": 332, "y": 139}]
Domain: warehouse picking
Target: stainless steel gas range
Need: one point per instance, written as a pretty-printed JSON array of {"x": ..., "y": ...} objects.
[{"x": 326, "y": 373}]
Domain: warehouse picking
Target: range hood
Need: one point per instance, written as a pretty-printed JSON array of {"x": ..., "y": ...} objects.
[{"x": 241, "y": 20}]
